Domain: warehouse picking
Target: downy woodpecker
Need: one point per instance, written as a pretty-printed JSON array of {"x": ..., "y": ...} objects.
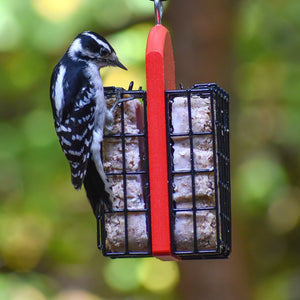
[{"x": 80, "y": 112}]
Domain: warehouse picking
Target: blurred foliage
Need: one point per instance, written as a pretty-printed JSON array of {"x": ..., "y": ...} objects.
[
  {"x": 266, "y": 144},
  {"x": 47, "y": 232}
]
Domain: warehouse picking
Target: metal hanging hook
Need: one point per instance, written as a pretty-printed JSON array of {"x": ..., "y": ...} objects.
[{"x": 158, "y": 10}]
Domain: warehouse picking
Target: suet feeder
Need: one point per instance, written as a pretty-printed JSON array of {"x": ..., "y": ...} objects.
[{"x": 167, "y": 159}]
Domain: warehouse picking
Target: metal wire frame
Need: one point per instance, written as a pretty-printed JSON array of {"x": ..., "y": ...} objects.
[
  {"x": 219, "y": 102},
  {"x": 101, "y": 232}
]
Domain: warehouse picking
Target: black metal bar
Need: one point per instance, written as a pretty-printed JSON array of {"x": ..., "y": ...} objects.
[
  {"x": 146, "y": 185},
  {"x": 191, "y": 140},
  {"x": 124, "y": 173},
  {"x": 214, "y": 115},
  {"x": 170, "y": 144}
]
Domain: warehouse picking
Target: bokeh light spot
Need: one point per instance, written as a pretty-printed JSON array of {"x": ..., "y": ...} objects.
[
  {"x": 284, "y": 211},
  {"x": 24, "y": 239},
  {"x": 158, "y": 276},
  {"x": 27, "y": 292},
  {"x": 258, "y": 178},
  {"x": 122, "y": 274},
  {"x": 38, "y": 128},
  {"x": 76, "y": 294},
  {"x": 56, "y": 10},
  {"x": 8, "y": 20}
]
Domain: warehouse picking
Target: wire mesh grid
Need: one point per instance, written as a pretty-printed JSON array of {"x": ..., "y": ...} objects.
[
  {"x": 199, "y": 172},
  {"x": 199, "y": 175},
  {"x": 125, "y": 231}
]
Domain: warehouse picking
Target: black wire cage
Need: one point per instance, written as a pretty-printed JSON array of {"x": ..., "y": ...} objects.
[
  {"x": 199, "y": 172},
  {"x": 197, "y": 134},
  {"x": 126, "y": 231}
]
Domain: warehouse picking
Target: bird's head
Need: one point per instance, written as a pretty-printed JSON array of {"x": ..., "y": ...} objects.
[{"x": 92, "y": 47}]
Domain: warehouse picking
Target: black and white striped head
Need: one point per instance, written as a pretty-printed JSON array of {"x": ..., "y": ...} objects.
[{"x": 92, "y": 47}]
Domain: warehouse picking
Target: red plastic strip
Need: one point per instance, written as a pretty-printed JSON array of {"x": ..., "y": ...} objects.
[{"x": 160, "y": 76}]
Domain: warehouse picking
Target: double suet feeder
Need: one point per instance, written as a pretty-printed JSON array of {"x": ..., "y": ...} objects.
[{"x": 167, "y": 160}]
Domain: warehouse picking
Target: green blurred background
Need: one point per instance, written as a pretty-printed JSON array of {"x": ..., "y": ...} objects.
[{"x": 47, "y": 230}]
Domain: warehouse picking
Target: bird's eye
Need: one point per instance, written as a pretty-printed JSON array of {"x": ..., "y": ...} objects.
[{"x": 104, "y": 52}]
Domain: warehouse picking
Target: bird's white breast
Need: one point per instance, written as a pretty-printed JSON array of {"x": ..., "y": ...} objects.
[
  {"x": 100, "y": 109},
  {"x": 58, "y": 89}
]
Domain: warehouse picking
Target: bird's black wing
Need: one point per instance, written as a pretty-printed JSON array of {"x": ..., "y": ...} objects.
[
  {"x": 74, "y": 125},
  {"x": 75, "y": 132}
]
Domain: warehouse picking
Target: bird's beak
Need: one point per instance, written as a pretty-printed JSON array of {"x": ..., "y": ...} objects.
[
  {"x": 120, "y": 65},
  {"x": 114, "y": 61}
]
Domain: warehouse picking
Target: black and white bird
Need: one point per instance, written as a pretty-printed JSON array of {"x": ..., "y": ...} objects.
[{"x": 80, "y": 112}]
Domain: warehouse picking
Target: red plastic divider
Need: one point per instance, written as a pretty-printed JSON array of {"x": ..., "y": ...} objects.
[{"x": 160, "y": 76}]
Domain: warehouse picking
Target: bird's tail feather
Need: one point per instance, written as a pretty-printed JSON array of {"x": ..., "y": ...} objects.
[{"x": 95, "y": 189}]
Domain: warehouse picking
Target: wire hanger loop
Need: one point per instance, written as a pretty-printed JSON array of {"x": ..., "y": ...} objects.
[{"x": 158, "y": 10}]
